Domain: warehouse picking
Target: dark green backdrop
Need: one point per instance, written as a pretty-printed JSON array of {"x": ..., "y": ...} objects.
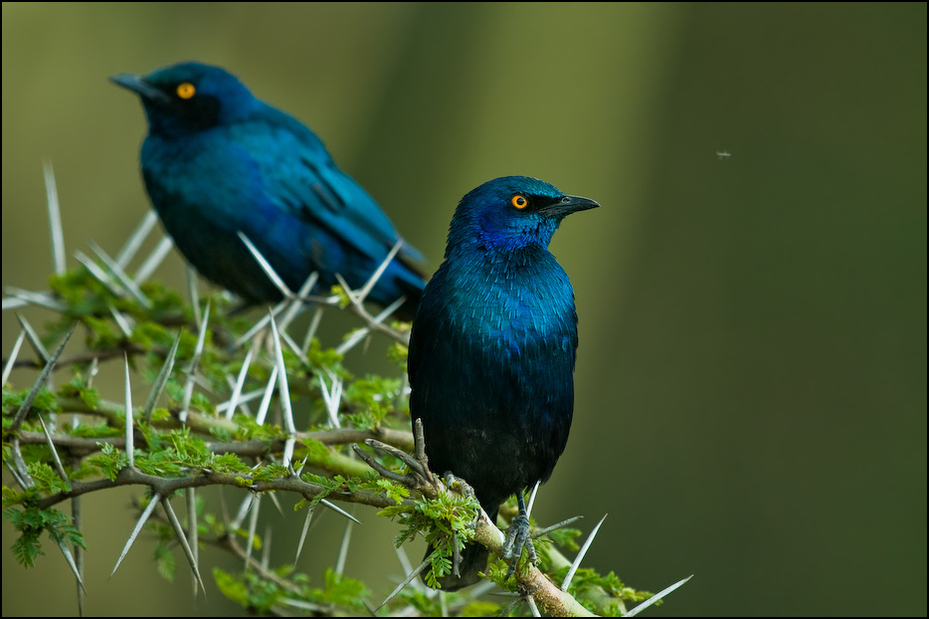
[{"x": 751, "y": 378}]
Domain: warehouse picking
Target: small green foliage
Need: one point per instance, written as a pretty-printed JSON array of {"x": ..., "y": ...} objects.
[
  {"x": 566, "y": 538},
  {"x": 426, "y": 606},
  {"x": 392, "y": 489},
  {"x": 46, "y": 479},
  {"x": 88, "y": 427},
  {"x": 78, "y": 388},
  {"x": 398, "y": 353},
  {"x": 437, "y": 518},
  {"x": 100, "y": 430},
  {"x": 249, "y": 591},
  {"x": 165, "y": 561},
  {"x": 320, "y": 357},
  {"x": 261, "y": 596},
  {"x": 312, "y": 450},
  {"x": 372, "y": 398},
  {"x": 481, "y": 609},
  {"x": 604, "y": 594},
  {"x": 110, "y": 461},
  {"x": 31, "y": 522},
  {"x": 45, "y": 401},
  {"x": 344, "y": 300},
  {"x": 342, "y": 591}
]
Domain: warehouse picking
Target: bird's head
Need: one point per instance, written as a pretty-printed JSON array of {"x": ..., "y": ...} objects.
[
  {"x": 188, "y": 97},
  {"x": 510, "y": 213}
]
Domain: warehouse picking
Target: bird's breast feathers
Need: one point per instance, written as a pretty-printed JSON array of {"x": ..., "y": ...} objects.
[{"x": 503, "y": 307}]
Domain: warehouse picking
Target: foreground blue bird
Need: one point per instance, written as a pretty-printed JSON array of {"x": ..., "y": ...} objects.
[
  {"x": 218, "y": 161},
  {"x": 492, "y": 350}
]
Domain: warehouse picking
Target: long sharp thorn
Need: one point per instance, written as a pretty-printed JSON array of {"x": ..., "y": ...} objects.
[
  {"x": 557, "y": 525},
  {"x": 134, "y": 242},
  {"x": 311, "y": 330},
  {"x": 266, "y": 400},
  {"x": 182, "y": 538},
  {"x": 77, "y": 517},
  {"x": 532, "y": 606},
  {"x": 242, "y": 401},
  {"x": 13, "y": 354},
  {"x": 303, "y": 533},
  {"x": 298, "y": 304},
  {"x": 12, "y": 302},
  {"x": 343, "y": 548},
  {"x": 34, "y": 339},
  {"x": 372, "y": 281},
  {"x": 635, "y": 611},
  {"x": 40, "y": 382},
  {"x": 276, "y": 502},
  {"x": 154, "y": 260},
  {"x": 266, "y": 549},
  {"x": 288, "y": 454},
  {"x": 161, "y": 380},
  {"x": 193, "y": 535},
  {"x": 339, "y": 510},
  {"x": 130, "y": 438},
  {"x": 54, "y": 219},
  {"x": 403, "y": 584},
  {"x": 201, "y": 337},
  {"x": 59, "y": 467},
  {"x": 70, "y": 560},
  {"x": 267, "y": 268},
  {"x": 404, "y": 560},
  {"x": 99, "y": 274},
  {"x": 156, "y": 498},
  {"x": 373, "y": 323},
  {"x": 193, "y": 291},
  {"x": 580, "y": 555},
  {"x": 121, "y": 321},
  {"x": 124, "y": 279},
  {"x": 244, "y": 507},
  {"x": 285, "y": 337},
  {"x": 535, "y": 490},
  {"x": 283, "y": 388},
  {"x": 239, "y": 382},
  {"x": 22, "y": 298},
  {"x": 351, "y": 294},
  {"x": 252, "y": 524},
  {"x": 189, "y": 387},
  {"x": 260, "y": 325}
]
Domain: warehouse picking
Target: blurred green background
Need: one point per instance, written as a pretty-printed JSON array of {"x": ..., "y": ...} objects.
[{"x": 751, "y": 377}]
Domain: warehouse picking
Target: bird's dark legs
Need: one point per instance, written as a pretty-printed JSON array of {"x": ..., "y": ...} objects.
[{"x": 518, "y": 538}]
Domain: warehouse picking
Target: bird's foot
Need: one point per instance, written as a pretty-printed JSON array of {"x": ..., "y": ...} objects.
[
  {"x": 518, "y": 539},
  {"x": 420, "y": 477}
]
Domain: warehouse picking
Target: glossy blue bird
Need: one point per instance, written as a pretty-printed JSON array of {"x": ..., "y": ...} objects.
[
  {"x": 492, "y": 351},
  {"x": 217, "y": 161}
]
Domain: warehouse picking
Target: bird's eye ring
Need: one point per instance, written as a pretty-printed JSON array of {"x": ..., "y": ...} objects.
[
  {"x": 519, "y": 201},
  {"x": 186, "y": 90}
]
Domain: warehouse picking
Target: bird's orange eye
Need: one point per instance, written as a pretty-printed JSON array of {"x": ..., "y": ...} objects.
[
  {"x": 519, "y": 201},
  {"x": 186, "y": 90}
]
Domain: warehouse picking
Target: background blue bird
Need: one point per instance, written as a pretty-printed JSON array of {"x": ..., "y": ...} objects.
[
  {"x": 217, "y": 161},
  {"x": 492, "y": 350}
]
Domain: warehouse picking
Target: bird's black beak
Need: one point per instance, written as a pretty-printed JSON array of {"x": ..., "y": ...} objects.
[
  {"x": 142, "y": 87},
  {"x": 568, "y": 205}
]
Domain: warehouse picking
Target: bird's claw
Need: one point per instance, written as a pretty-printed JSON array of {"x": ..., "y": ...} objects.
[{"x": 518, "y": 540}]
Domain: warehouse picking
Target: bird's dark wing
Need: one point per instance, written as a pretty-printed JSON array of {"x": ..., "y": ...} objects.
[{"x": 301, "y": 176}]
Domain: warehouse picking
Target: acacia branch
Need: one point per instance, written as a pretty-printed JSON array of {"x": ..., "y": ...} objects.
[{"x": 164, "y": 486}]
